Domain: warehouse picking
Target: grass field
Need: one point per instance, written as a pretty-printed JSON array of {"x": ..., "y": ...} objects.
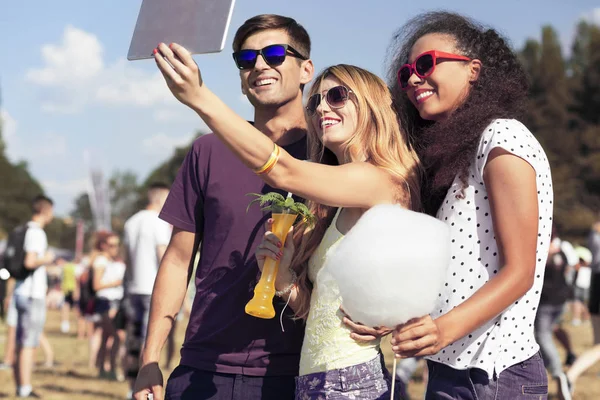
[{"x": 71, "y": 378}]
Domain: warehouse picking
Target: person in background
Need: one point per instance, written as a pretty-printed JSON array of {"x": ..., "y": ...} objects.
[
  {"x": 120, "y": 327},
  {"x": 85, "y": 323},
  {"x": 553, "y": 301},
  {"x": 107, "y": 281},
  {"x": 571, "y": 259},
  {"x": 30, "y": 295},
  {"x": 11, "y": 327},
  {"x": 145, "y": 237},
  {"x": 405, "y": 370},
  {"x": 592, "y": 355},
  {"x": 581, "y": 286},
  {"x": 70, "y": 291}
]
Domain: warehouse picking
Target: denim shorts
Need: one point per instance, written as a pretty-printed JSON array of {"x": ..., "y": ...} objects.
[
  {"x": 31, "y": 317},
  {"x": 137, "y": 311},
  {"x": 525, "y": 380},
  {"x": 367, "y": 381},
  {"x": 103, "y": 305}
]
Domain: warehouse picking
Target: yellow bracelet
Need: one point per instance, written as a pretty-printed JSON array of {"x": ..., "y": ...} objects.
[
  {"x": 273, "y": 158},
  {"x": 270, "y": 167}
]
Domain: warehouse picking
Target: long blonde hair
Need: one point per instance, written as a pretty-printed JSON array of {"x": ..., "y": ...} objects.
[{"x": 378, "y": 140}]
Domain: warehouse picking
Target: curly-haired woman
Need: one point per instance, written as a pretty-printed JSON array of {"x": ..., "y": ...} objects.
[{"x": 460, "y": 90}]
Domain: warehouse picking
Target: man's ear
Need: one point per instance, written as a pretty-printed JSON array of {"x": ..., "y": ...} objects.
[
  {"x": 474, "y": 70},
  {"x": 307, "y": 72},
  {"x": 243, "y": 89}
]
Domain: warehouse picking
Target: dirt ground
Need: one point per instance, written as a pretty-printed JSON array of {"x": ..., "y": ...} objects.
[{"x": 70, "y": 378}]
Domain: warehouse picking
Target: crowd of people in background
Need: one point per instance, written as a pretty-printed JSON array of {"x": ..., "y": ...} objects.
[{"x": 106, "y": 292}]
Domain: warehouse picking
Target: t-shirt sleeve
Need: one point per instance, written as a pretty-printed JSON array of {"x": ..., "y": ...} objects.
[
  {"x": 100, "y": 262},
  {"x": 35, "y": 241},
  {"x": 513, "y": 137},
  {"x": 184, "y": 203}
]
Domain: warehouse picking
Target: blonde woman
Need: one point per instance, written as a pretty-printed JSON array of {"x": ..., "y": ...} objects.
[{"x": 333, "y": 364}]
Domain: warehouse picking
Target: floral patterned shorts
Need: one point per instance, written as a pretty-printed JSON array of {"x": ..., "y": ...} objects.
[{"x": 366, "y": 381}]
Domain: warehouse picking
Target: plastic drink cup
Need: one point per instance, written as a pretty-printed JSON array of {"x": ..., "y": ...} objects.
[{"x": 261, "y": 305}]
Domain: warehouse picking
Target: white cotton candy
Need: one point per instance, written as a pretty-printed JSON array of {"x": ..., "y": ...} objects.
[{"x": 390, "y": 266}]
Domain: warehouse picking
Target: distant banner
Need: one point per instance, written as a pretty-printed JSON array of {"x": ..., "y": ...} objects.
[{"x": 99, "y": 196}]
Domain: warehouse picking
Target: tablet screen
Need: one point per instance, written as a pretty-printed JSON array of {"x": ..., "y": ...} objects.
[{"x": 198, "y": 25}]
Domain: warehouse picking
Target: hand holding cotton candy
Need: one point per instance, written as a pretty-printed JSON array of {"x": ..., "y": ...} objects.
[{"x": 390, "y": 266}]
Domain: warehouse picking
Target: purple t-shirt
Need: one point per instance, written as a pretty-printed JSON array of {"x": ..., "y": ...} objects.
[{"x": 209, "y": 196}]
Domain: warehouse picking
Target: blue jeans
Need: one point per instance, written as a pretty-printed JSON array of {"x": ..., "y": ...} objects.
[
  {"x": 547, "y": 317},
  {"x": 187, "y": 383},
  {"x": 136, "y": 308},
  {"x": 137, "y": 311},
  {"x": 525, "y": 380}
]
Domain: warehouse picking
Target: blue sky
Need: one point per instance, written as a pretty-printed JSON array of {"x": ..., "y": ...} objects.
[{"x": 67, "y": 87}]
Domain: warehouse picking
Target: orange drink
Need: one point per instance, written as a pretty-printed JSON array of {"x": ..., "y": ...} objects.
[{"x": 261, "y": 305}]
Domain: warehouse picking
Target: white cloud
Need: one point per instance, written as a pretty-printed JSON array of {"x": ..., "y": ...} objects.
[
  {"x": 123, "y": 84},
  {"x": 48, "y": 145},
  {"x": 77, "y": 59},
  {"x": 69, "y": 107},
  {"x": 71, "y": 187},
  {"x": 162, "y": 144},
  {"x": 167, "y": 115},
  {"x": 593, "y": 16},
  {"x": 76, "y": 75},
  {"x": 45, "y": 146},
  {"x": 567, "y": 37}
]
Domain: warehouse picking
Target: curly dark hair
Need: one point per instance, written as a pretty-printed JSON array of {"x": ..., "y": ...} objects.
[{"x": 448, "y": 146}]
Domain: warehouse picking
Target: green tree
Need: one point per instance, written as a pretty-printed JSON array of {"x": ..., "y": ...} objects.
[
  {"x": 124, "y": 197},
  {"x": 585, "y": 66},
  {"x": 550, "y": 120},
  {"x": 2, "y": 143},
  {"x": 61, "y": 233},
  {"x": 586, "y": 73},
  {"x": 167, "y": 171},
  {"x": 17, "y": 189},
  {"x": 83, "y": 211}
]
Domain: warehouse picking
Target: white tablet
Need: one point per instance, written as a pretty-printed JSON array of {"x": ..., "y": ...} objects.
[{"x": 198, "y": 25}]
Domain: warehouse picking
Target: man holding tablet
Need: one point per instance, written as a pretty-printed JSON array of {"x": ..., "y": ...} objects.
[{"x": 228, "y": 354}]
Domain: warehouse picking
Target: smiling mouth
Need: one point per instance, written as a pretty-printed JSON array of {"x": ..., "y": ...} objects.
[
  {"x": 421, "y": 97},
  {"x": 328, "y": 122},
  {"x": 264, "y": 82}
]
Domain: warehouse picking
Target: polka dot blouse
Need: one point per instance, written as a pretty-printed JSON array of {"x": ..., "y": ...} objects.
[{"x": 508, "y": 339}]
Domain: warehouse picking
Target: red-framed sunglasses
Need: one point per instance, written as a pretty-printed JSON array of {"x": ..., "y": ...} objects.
[{"x": 424, "y": 65}]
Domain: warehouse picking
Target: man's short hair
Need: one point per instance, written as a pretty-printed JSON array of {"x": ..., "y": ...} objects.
[
  {"x": 158, "y": 186},
  {"x": 154, "y": 192},
  {"x": 299, "y": 38},
  {"x": 40, "y": 203}
]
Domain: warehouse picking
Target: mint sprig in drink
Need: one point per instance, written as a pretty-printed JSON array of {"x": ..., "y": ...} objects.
[{"x": 284, "y": 212}]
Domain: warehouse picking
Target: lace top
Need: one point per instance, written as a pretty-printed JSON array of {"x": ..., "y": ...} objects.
[{"x": 327, "y": 342}]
